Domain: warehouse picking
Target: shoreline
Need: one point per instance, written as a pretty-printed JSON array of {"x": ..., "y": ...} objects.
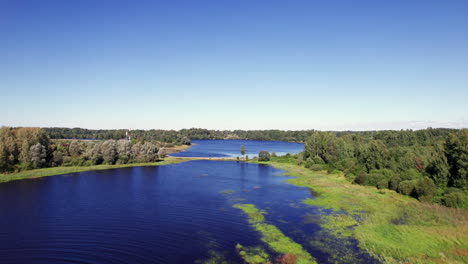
[{"x": 53, "y": 171}]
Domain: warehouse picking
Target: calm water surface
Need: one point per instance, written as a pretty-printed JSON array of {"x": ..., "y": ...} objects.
[
  {"x": 170, "y": 214},
  {"x": 231, "y": 148}
]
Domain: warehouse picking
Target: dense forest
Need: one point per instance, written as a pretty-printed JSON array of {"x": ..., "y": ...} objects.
[
  {"x": 31, "y": 148},
  {"x": 176, "y": 137},
  {"x": 430, "y": 165}
]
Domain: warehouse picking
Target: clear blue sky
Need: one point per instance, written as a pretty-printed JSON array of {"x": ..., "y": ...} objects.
[{"x": 244, "y": 64}]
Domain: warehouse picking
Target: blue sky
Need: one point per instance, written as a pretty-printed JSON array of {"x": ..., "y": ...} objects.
[{"x": 243, "y": 64}]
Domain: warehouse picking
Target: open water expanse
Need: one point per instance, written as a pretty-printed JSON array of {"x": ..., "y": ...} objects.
[{"x": 231, "y": 148}]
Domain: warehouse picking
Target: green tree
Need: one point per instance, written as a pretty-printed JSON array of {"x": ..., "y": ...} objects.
[
  {"x": 457, "y": 156},
  {"x": 109, "y": 151},
  {"x": 425, "y": 189},
  {"x": 264, "y": 156},
  {"x": 327, "y": 147},
  {"x": 8, "y": 149},
  {"x": 74, "y": 148},
  {"x": 242, "y": 150},
  {"x": 375, "y": 155},
  {"x": 37, "y": 154}
]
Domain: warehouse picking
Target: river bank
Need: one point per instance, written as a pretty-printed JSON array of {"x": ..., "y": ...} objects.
[
  {"x": 38, "y": 173},
  {"x": 391, "y": 227},
  {"x": 44, "y": 172}
]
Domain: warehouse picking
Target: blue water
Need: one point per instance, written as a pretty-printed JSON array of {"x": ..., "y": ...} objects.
[
  {"x": 169, "y": 214},
  {"x": 231, "y": 148}
]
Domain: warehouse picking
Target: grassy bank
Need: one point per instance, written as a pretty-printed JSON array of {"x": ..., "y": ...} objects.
[
  {"x": 390, "y": 226},
  {"x": 64, "y": 170}
]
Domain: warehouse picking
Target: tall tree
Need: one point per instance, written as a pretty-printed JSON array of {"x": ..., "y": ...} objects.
[
  {"x": 8, "y": 149},
  {"x": 37, "y": 154},
  {"x": 242, "y": 150},
  {"x": 457, "y": 156}
]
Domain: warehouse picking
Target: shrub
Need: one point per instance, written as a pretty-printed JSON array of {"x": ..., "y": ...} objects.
[
  {"x": 452, "y": 190},
  {"x": 350, "y": 176},
  {"x": 386, "y": 172},
  {"x": 383, "y": 184},
  {"x": 360, "y": 179},
  {"x": 346, "y": 164},
  {"x": 425, "y": 189},
  {"x": 309, "y": 163},
  {"x": 394, "y": 182},
  {"x": 411, "y": 174},
  {"x": 318, "y": 160},
  {"x": 299, "y": 160},
  {"x": 372, "y": 179},
  {"x": 357, "y": 169},
  {"x": 317, "y": 167},
  {"x": 264, "y": 156},
  {"x": 456, "y": 199},
  {"x": 88, "y": 163},
  {"x": 407, "y": 187}
]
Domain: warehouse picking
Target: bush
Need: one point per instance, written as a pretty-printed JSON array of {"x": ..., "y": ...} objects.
[
  {"x": 346, "y": 164},
  {"x": 452, "y": 190},
  {"x": 372, "y": 179},
  {"x": 456, "y": 199},
  {"x": 383, "y": 184},
  {"x": 88, "y": 163},
  {"x": 263, "y": 156},
  {"x": 360, "y": 179},
  {"x": 299, "y": 159},
  {"x": 318, "y": 160},
  {"x": 357, "y": 169},
  {"x": 425, "y": 189},
  {"x": 394, "y": 182},
  {"x": 411, "y": 174},
  {"x": 407, "y": 187},
  {"x": 309, "y": 163},
  {"x": 317, "y": 167},
  {"x": 386, "y": 172},
  {"x": 350, "y": 176}
]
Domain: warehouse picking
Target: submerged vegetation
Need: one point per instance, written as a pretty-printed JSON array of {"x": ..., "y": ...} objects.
[
  {"x": 273, "y": 237},
  {"x": 391, "y": 227}
]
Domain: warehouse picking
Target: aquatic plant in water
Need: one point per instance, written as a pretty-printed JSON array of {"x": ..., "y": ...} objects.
[{"x": 273, "y": 237}]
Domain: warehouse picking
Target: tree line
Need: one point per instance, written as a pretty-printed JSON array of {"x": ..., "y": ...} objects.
[
  {"x": 177, "y": 136},
  {"x": 430, "y": 165},
  {"x": 31, "y": 148}
]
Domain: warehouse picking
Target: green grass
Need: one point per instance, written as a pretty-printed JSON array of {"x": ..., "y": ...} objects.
[
  {"x": 38, "y": 173},
  {"x": 390, "y": 226},
  {"x": 273, "y": 237}
]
